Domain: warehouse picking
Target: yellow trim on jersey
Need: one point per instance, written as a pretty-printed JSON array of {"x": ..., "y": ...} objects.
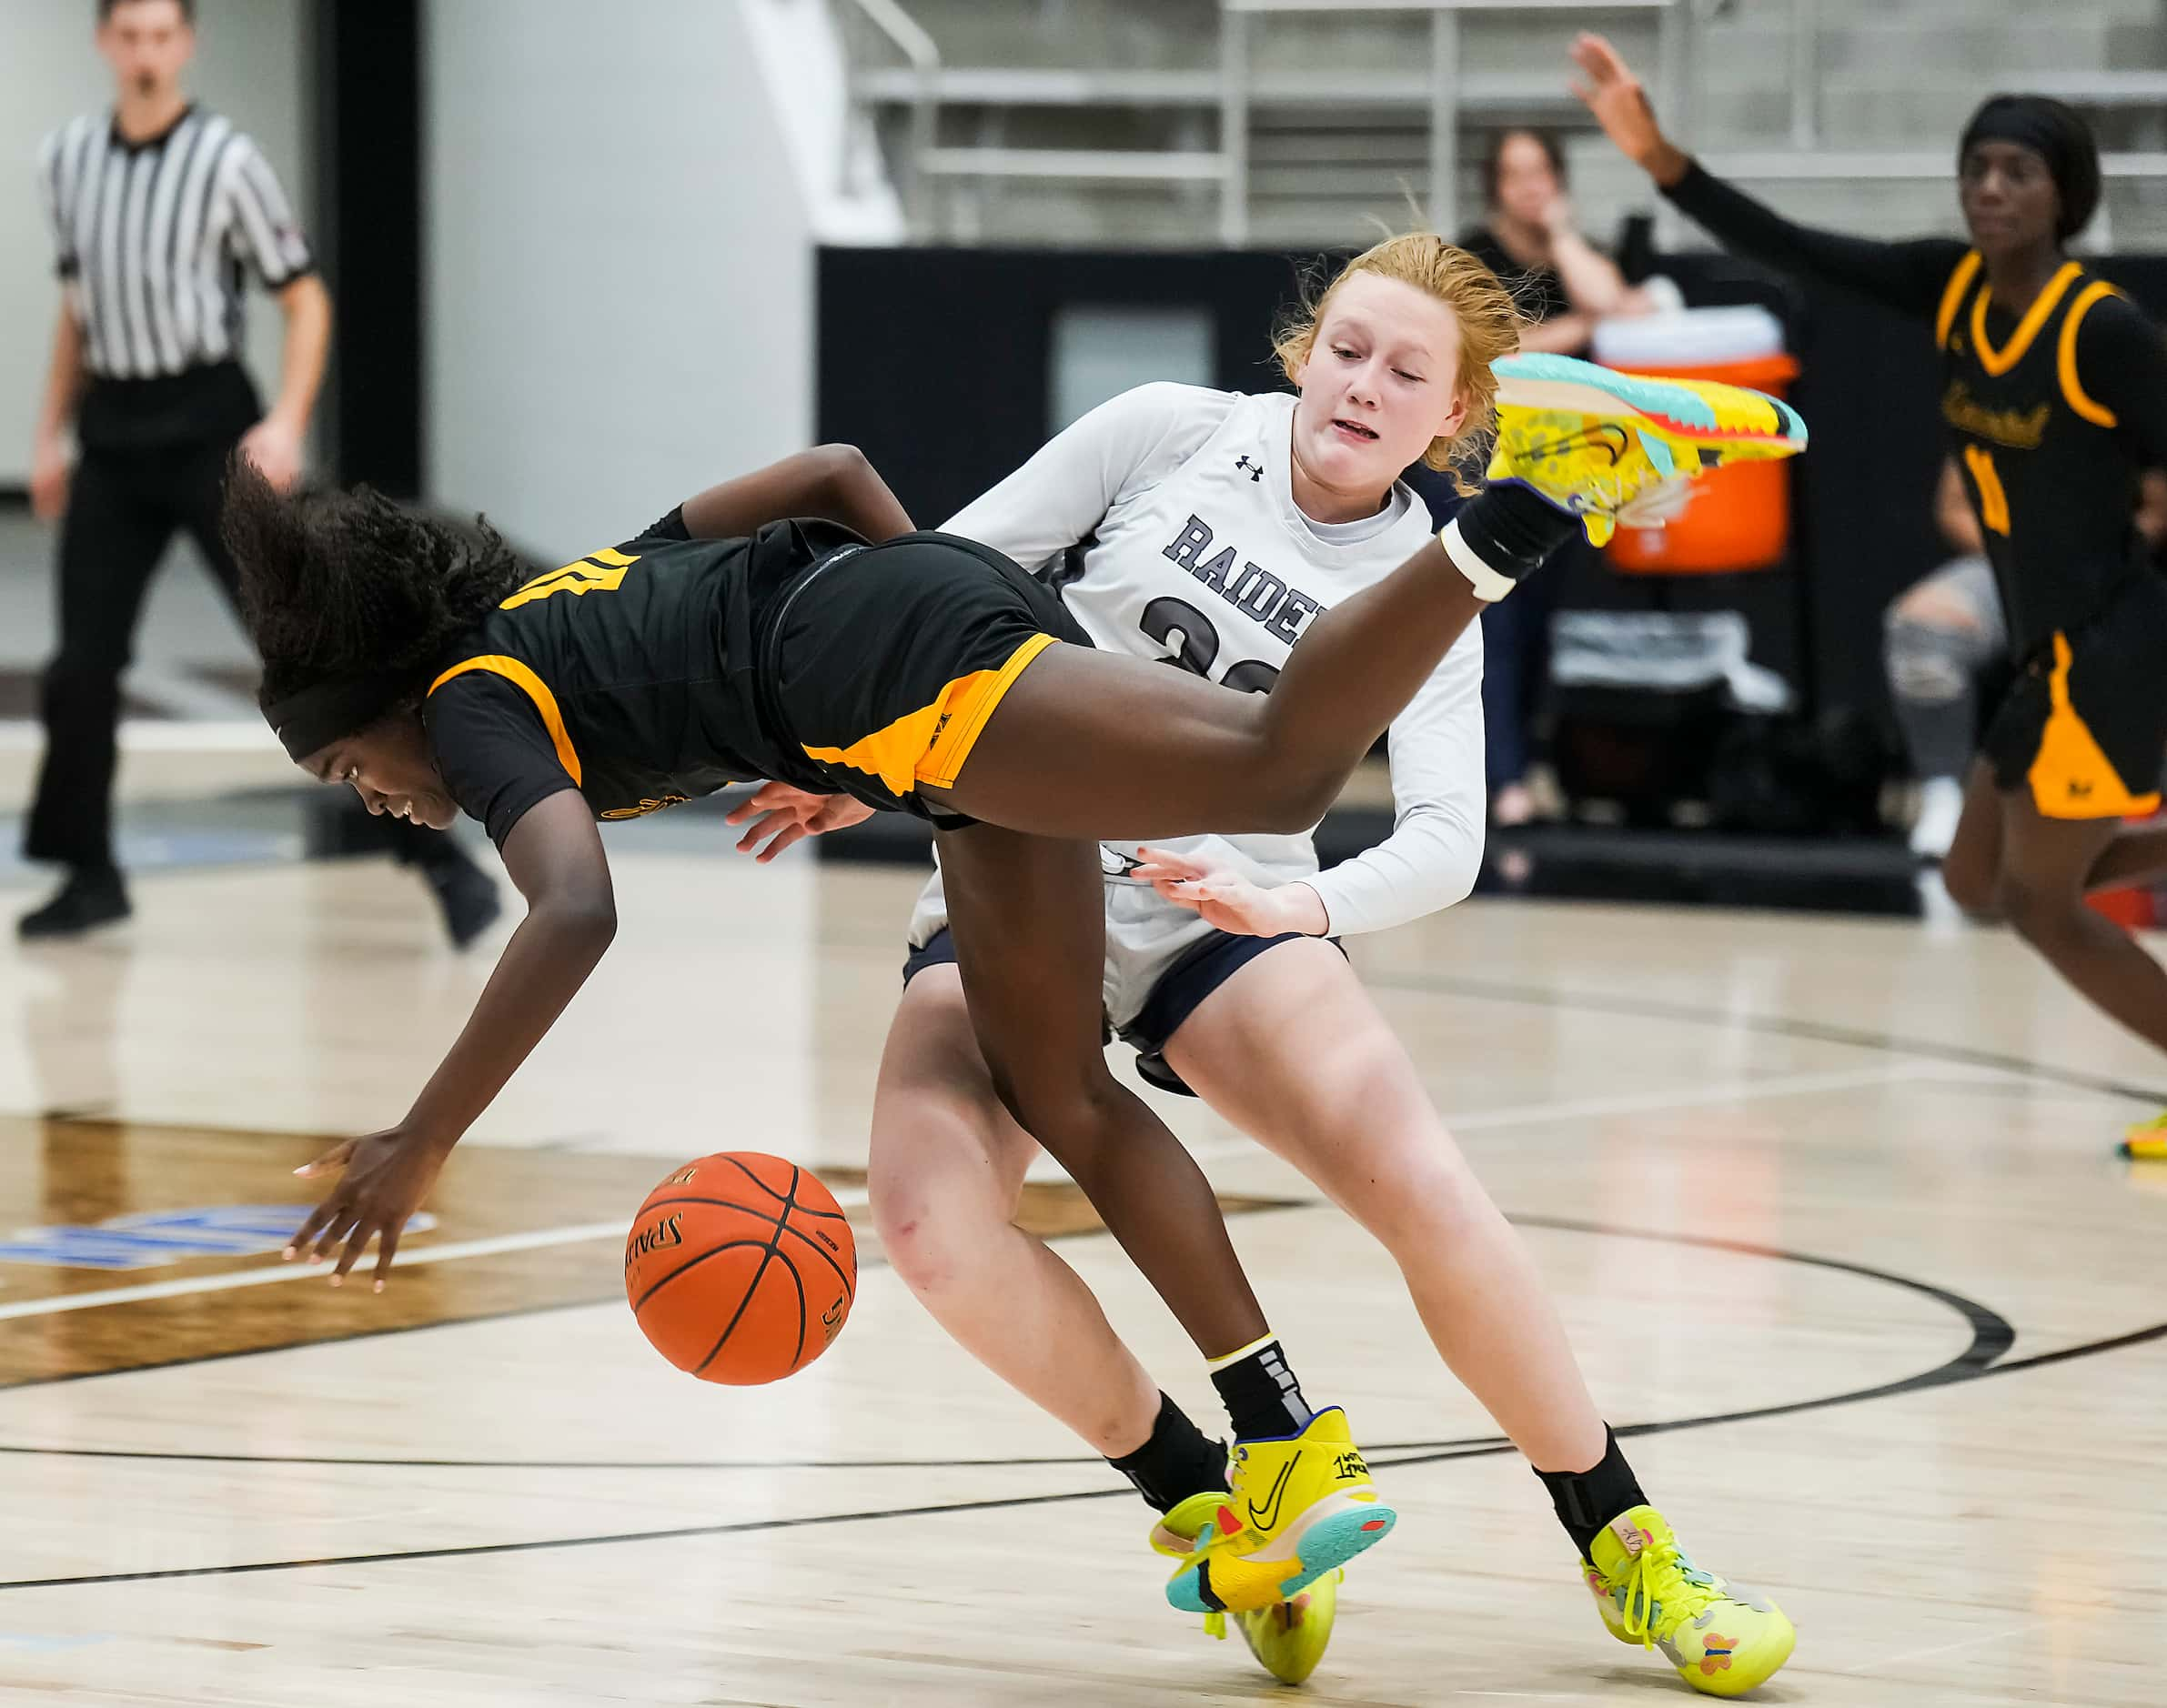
[
  {"x": 1993, "y": 500},
  {"x": 2070, "y": 778},
  {"x": 2065, "y": 356},
  {"x": 536, "y": 689},
  {"x": 1998, "y": 362},
  {"x": 1952, "y": 296},
  {"x": 931, "y": 744},
  {"x": 598, "y": 572}
]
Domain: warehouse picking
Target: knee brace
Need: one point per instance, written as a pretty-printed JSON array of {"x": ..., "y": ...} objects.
[{"x": 1930, "y": 663}]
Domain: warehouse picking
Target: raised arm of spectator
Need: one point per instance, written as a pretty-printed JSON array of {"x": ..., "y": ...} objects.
[
  {"x": 1593, "y": 284},
  {"x": 1561, "y": 335}
]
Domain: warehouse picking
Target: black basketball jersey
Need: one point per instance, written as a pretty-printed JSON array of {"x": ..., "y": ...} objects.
[
  {"x": 2051, "y": 478},
  {"x": 2053, "y": 414},
  {"x": 627, "y": 675}
]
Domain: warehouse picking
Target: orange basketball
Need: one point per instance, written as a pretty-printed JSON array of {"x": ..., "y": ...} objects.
[{"x": 740, "y": 1268}]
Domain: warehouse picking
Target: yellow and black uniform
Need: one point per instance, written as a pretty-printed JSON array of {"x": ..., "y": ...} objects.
[
  {"x": 668, "y": 667},
  {"x": 2052, "y": 416}
]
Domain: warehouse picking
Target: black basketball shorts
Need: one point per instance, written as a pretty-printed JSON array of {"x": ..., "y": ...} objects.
[
  {"x": 2084, "y": 727},
  {"x": 883, "y": 665}
]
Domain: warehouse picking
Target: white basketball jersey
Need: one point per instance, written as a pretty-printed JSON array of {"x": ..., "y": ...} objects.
[{"x": 1193, "y": 551}]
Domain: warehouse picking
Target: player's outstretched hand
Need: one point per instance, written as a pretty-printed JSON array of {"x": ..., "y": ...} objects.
[
  {"x": 779, "y": 814},
  {"x": 1229, "y": 900},
  {"x": 1611, "y": 91},
  {"x": 383, "y": 1179}
]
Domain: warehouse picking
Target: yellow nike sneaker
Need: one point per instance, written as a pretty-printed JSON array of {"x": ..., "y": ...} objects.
[
  {"x": 1724, "y": 1639},
  {"x": 1592, "y": 440},
  {"x": 1288, "y": 1638},
  {"x": 1300, "y": 1506},
  {"x": 2146, "y": 1142}
]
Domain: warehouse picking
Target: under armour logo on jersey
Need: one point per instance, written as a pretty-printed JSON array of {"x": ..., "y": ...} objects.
[{"x": 1255, "y": 470}]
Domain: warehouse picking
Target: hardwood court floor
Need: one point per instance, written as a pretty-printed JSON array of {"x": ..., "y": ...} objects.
[{"x": 1827, "y": 1204}]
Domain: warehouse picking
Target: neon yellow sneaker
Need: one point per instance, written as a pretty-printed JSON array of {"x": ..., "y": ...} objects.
[
  {"x": 1300, "y": 1505},
  {"x": 1592, "y": 440},
  {"x": 2146, "y": 1140},
  {"x": 1724, "y": 1639},
  {"x": 1288, "y": 1638}
]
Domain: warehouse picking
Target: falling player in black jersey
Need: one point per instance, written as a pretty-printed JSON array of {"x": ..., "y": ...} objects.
[
  {"x": 2054, "y": 398},
  {"x": 840, "y": 652}
]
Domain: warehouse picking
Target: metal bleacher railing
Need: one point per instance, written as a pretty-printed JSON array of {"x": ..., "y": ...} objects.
[{"x": 1444, "y": 95}]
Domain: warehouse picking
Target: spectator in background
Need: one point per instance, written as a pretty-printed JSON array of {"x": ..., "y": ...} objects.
[
  {"x": 1943, "y": 638},
  {"x": 1527, "y": 239},
  {"x": 1564, "y": 285},
  {"x": 159, "y": 208}
]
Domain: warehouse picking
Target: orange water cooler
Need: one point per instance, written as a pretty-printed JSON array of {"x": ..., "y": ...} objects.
[{"x": 1739, "y": 516}]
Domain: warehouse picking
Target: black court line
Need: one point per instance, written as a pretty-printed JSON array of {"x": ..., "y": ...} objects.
[
  {"x": 1991, "y": 1336},
  {"x": 1773, "y": 1025},
  {"x": 1957, "y": 1370}
]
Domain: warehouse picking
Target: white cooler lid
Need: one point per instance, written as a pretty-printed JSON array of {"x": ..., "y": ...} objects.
[{"x": 1688, "y": 338}]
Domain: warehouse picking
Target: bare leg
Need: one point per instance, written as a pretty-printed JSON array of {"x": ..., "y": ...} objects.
[
  {"x": 1349, "y": 1111},
  {"x": 2137, "y": 855},
  {"x": 1143, "y": 751},
  {"x": 947, "y": 1172},
  {"x": 1027, "y": 914},
  {"x": 2046, "y": 863},
  {"x": 1971, "y": 870}
]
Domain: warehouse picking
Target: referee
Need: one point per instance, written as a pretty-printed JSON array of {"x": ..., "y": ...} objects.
[{"x": 159, "y": 210}]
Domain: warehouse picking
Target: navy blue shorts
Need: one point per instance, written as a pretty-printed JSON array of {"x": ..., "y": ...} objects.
[{"x": 1179, "y": 993}]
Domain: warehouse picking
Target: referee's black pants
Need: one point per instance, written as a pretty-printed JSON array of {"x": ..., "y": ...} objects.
[{"x": 124, "y": 508}]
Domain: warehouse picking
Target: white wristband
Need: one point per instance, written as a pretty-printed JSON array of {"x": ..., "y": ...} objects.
[{"x": 1488, "y": 585}]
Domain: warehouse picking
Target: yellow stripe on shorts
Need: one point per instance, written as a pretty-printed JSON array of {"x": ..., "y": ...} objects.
[
  {"x": 931, "y": 744},
  {"x": 2070, "y": 778}
]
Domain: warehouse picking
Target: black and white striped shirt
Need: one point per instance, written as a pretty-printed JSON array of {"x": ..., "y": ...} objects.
[{"x": 156, "y": 239}]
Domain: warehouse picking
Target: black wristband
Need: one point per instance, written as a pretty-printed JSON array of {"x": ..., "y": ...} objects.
[{"x": 1514, "y": 528}]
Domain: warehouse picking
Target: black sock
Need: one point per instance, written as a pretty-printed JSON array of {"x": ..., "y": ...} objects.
[
  {"x": 1513, "y": 527},
  {"x": 1262, "y": 1396},
  {"x": 1175, "y": 1463},
  {"x": 1589, "y": 1500}
]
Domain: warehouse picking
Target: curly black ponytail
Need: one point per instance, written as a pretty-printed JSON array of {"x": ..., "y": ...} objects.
[{"x": 347, "y": 584}]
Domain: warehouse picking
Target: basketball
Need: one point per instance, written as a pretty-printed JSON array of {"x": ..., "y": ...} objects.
[{"x": 740, "y": 1268}]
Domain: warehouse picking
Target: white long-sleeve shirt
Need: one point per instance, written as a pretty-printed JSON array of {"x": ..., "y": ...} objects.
[{"x": 1192, "y": 549}]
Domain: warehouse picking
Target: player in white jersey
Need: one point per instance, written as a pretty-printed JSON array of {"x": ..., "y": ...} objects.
[{"x": 1180, "y": 524}]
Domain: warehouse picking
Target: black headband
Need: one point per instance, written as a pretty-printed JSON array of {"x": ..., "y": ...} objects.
[
  {"x": 2016, "y": 121},
  {"x": 322, "y": 712},
  {"x": 2058, "y": 136}
]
